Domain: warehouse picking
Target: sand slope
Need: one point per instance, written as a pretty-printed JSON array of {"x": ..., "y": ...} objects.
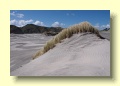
[
  {"x": 105, "y": 34},
  {"x": 23, "y": 46},
  {"x": 81, "y": 55}
]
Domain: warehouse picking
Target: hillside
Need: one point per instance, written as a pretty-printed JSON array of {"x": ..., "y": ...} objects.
[
  {"x": 16, "y": 30},
  {"x": 31, "y": 28}
]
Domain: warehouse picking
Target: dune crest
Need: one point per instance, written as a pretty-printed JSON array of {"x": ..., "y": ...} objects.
[{"x": 67, "y": 33}]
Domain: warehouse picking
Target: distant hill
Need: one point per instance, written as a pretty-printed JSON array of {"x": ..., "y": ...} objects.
[
  {"x": 31, "y": 28},
  {"x": 15, "y": 29},
  {"x": 106, "y": 29}
]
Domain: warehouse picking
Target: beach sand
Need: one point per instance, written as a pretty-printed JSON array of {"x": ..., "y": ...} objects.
[
  {"x": 23, "y": 47},
  {"x": 81, "y": 55}
]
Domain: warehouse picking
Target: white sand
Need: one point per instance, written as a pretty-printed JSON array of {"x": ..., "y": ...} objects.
[
  {"x": 23, "y": 47},
  {"x": 80, "y": 55},
  {"x": 105, "y": 34}
]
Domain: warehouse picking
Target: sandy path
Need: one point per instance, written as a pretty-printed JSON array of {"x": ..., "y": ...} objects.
[{"x": 80, "y": 55}]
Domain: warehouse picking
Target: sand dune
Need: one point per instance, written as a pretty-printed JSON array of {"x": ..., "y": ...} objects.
[
  {"x": 82, "y": 54},
  {"x": 23, "y": 46},
  {"x": 105, "y": 34}
]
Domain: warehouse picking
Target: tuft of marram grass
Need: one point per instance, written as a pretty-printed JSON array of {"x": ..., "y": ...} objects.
[{"x": 67, "y": 33}]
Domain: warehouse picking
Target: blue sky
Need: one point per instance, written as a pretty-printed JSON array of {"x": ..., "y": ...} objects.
[{"x": 60, "y": 18}]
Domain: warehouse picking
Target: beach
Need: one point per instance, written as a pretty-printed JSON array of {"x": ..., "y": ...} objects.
[
  {"x": 83, "y": 54},
  {"x": 23, "y": 47}
]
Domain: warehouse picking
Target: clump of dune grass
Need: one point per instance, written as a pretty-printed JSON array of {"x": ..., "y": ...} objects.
[{"x": 67, "y": 33}]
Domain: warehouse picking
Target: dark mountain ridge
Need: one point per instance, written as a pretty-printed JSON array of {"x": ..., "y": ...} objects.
[{"x": 31, "y": 28}]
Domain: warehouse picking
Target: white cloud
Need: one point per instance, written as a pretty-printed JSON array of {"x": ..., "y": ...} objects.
[
  {"x": 29, "y": 21},
  {"x": 13, "y": 22},
  {"x": 20, "y": 23},
  {"x": 108, "y": 26},
  {"x": 39, "y": 23},
  {"x": 57, "y": 24},
  {"x": 13, "y": 13},
  {"x": 19, "y": 15},
  {"x": 102, "y": 26},
  {"x": 105, "y": 26}
]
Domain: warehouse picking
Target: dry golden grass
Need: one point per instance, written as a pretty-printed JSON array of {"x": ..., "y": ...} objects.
[{"x": 67, "y": 33}]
